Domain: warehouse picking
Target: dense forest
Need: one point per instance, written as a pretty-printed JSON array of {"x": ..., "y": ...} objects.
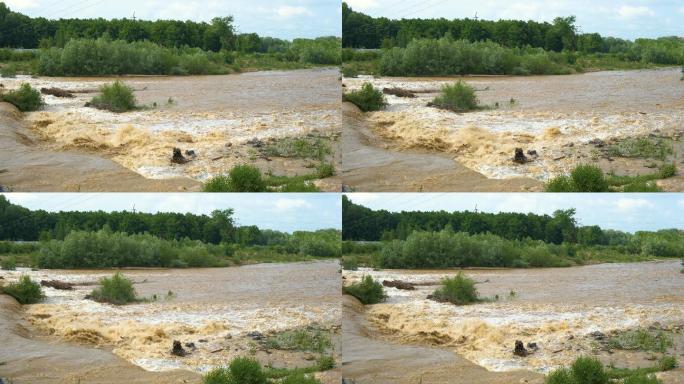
[
  {"x": 18, "y": 223},
  {"x": 360, "y": 223},
  {"x": 21, "y": 31},
  {"x": 427, "y": 47},
  {"x": 90, "y": 47},
  {"x": 443, "y": 239}
]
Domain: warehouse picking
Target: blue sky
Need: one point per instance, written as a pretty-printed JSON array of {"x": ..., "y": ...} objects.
[
  {"x": 620, "y": 18},
  {"x": 286, "y": 19},
  {"x": 283, "y": 212},
  {"x": 626, "y": 212}
]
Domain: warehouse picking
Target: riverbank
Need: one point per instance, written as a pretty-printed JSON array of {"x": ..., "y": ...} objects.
[
  {"x": 217, "y": 315},
  {"x": 558, "y": 121},
  {"x": 216, "y": 121},
  {"x": 558, "y": 309}
]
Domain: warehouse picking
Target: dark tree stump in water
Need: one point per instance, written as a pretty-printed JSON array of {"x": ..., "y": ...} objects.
[
  {"x": 519, "y": 156},
  {"x": 520, "y": 349},
  {"x": 178, "y": 157},
  {"x": 177, "y": 349}
]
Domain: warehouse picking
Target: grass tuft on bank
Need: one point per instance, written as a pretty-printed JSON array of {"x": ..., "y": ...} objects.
[
  {"x": 589, "y": 370},
  {"x": 248, "y": 178},
  {"x": 116, "y": 97},
  {"x": 310, "y": 340},
  {"x": 590, "y": 178},
  {"x": 117, "y": 290},
  {"x": 457, "y": 97},
  {"x": 25, "y": 291},
  {"x": 367, "y": 98},
  {"x": 458, "y": 290},
  {"x": 26, "y": 98},
  {"x": 367, "y": 291},
  {"x": 245, "y": 370}
]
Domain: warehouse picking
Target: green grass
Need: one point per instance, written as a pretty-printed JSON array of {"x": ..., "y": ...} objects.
[
  {"x": 642, "y": 147},
  {"x": 305, "y": 148},
  {"x": 8, "y": 71},
  {"x": 241, "y": 178},
  {"x": 8, "y": 263},
  {"x": 367, "y": 291},
  {"x": 25, "y": 291},
  {"x": 458, "y": 97},
  {"x": 367, "y": 98},
  {"x": 244, "y": 370},
  {"x": 459, "y": 290},
  {"x": 590, "y": 178},
  {"x": 247, "y": 178},
  {"x": 641, "y": 340},
  {"x": 116, "y": 97},
  {"x": 117, "y": 290},
  {"x": 311, "y": 340},
  {"x": 666, "y": 363},
  {"x": 26, "y": 99}
]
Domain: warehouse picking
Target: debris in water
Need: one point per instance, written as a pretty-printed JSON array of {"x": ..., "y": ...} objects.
[
  {"x": 533, "y": 153},
  {"x": 178, "y": 349},
  {"x": 398, "y": 92},
  {"x": 256, "y": 335},
  {"x": 56, "y": 284},
  {"x": 398, "y": 284},
  {"x": 520, "y": 349},
  {"x": 598, "y": 143},
  {"x": 520, "y": 157},
  {"x": 256, "y": 143},
  {"x": 598, "y": 335},
  {"x": 532, "y": 346},
  {"x": 178, "y": 157},
  {"x": 191, "y": 153},
  {"x": 57, "y": 92}
]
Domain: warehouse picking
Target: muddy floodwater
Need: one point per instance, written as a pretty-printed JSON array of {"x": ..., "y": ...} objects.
[
  {"x": 211, "y": 311},
  {"x": 556, "y": 116},
  {"x": 212, "y": 117},
  {"x": 556, "y": 308}
]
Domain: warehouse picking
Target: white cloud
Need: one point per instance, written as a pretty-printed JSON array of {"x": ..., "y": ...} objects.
[
  {"x": 362, "y": 5},
  {"x": 287, "y": 11},
  {"x": 630, "y": 11},
  {"x": 21, "y": 4},
  {"x": 627, "y": 204},
  {"x": 290, "y": 204}
]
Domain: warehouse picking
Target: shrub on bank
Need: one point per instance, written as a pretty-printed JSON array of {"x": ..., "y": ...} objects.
[
  {"x": 241, "y": 178},
  {"x": 584, "y": 178},
  {"x": 458, "y": 97},
  {"x": 117, "y": 97},
  {"x": 25, "y": 291},
  {"x": 459, "y": 290},
  {"x": 367, "y": 291},
  {"x": 8, "y": 263},
  {"x": 117, "y": 290},
  {"x": 367, "y": 98},
  {"x": 26, "y": 99}
]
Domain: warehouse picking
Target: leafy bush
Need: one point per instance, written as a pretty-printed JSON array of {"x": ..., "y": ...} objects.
[
  {"x": 300, "y": 147},
  {"x": 26, "y": 99},
  {"x": 458, "y": 97},
  {"x": 667, "y": 170},
  {"x": 117, "y": 97},
  {"x": 367, "y": 291},
  {"x": 588, "y": 370},
  {"x": 218, "y": 376},
  {"x": 8, "y": 263},
  {"x": 8, "y": 71},
  {"x": 367, "y": 99},
  {"x": 642, "y": 147},
  {"x": 560, "y": 376},
  {"x": 25, "y": 291},
  {"x": 459, "y": 290},
  {"x": 244, "y": 370},
  {"x": 241, "y": 178},
  {"x": 88, "y": 57},
  {"x": 117, "y": 290},
  {"x": 584, "y": 178}
]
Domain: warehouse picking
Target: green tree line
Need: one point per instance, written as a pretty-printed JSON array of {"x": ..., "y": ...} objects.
[
  {"x": 562, "y": 35},
  {"x": 360, "y": 223},
  {"x": 18, "y": 223}
]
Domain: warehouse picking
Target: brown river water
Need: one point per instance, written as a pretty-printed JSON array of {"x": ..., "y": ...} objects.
[
  {"x": 550, "y": 114},
  {"x": 556, "y": 308},
  {"x": 212, "y": 308},
  {"x": 214, "y": 116}
]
